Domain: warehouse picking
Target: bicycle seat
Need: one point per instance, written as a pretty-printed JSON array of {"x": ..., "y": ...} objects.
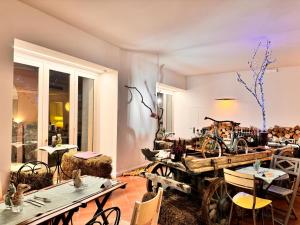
[{"x": 235, "y": 124}]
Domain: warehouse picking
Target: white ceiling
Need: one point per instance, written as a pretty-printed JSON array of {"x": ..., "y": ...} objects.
[{"x": 192, "y": 36}]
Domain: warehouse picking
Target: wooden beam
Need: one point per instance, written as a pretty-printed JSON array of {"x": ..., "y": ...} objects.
[{"x": 168, "y": 183}]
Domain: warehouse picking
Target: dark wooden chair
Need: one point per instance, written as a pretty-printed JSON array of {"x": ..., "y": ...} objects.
[
  {"x": 107, "y": 216},
  {"x": 35, "y": 173}
]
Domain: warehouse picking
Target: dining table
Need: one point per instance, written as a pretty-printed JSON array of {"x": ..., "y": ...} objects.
[
  {"x": 61, "y": 202},
  {"x": 266, "y": 176},
  {"x": 58, "y": 152}
]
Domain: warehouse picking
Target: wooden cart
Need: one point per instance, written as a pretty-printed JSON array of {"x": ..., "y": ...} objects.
[{"x": 201, "y": 178}]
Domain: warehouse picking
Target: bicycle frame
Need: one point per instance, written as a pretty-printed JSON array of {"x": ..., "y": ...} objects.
[{"x": 234, "y": 136}]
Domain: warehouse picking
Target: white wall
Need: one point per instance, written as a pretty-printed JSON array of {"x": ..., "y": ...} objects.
[
  {"x": 136, "y": 128},
  {"x": 18, "y": 20},
  {"x": 106, "y": 128},
  {"x": 281, "y": 94}
]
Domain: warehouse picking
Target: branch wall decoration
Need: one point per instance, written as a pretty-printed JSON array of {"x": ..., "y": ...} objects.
[
  {"x": 152, "y": 113},
  {"x": 258, "y": 72}
]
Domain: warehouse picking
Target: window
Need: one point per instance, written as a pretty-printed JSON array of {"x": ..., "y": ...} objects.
[
  {"x": 49, "y": 99},
  {"x": 85, "y": 126},
  {"x": 82, "y": 83},
  {"x": 25, "y": 113},
  {"x": 59, "y": 105},
  {"x": 165, "y": 102}
]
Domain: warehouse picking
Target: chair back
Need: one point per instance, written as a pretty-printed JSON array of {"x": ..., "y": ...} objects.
[
  {"x": 147, "y": 213},
  {"x": 292, "y": 167},
  {"x": 289, "y": 165},
  {"x": 35, "y": 173},
  {"x": 241, "y": 180},
  {"x": 31, "y": 168}
]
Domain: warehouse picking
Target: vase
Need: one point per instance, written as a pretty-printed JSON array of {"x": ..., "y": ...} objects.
[{"x": 263, "y": 138}]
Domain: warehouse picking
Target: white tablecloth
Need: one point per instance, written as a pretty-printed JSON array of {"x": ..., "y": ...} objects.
[
  {"x": 265, "y": 174},
  {"x": 62, "y": 147}
]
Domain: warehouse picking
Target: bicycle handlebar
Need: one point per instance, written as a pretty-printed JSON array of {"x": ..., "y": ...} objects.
[{"x": 222, "y": 121}]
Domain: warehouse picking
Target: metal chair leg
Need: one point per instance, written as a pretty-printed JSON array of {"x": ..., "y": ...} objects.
[
  {"x": 262, "y": 216},
  {"x": 254, "y": 216},
  {"x": 230, "y": 215},
  {"x": 272, "y": 213}
]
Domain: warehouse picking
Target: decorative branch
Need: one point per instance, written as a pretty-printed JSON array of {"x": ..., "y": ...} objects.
[
  {"x": 154, "y": 115},
  {"x": 159, "y": 117},
  {"x": 258, "y": 78}
]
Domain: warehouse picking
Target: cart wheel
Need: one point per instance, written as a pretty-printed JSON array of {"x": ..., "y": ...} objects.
[
  {"x": 241, "y": 146},
  {"x": 161, "y": 170},
  {"x": 211, "y": 148},
  {"x": 215, "y": 203}
]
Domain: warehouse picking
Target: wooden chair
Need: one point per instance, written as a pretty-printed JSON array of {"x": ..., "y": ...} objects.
[
  {"x": 144, "y": 213},
  {"x": 242, "y": 199},
  {"x": 289, "y": 192},
  {"x": 147, "y": 213}
]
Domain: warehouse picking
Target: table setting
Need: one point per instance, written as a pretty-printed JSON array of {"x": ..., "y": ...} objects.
[{"x": 53, "y": 202}]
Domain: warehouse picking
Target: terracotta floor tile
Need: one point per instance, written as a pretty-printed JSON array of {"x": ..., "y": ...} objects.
[
  {"x": 136, "y": 188},
  {"x": 124, "y": 199}
]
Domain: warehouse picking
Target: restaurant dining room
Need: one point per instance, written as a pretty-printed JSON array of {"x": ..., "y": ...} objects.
[{"x": 136, "y": 112}]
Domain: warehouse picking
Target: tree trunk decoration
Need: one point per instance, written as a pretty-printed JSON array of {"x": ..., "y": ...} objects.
[
  {"x": 257, "y": 90},
  {"x": 152, "y": 113}
]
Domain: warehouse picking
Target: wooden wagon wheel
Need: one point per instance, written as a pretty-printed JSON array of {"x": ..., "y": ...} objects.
[
  {"x": 215, "y": 203},
  {"x": 161, "y": 170}
]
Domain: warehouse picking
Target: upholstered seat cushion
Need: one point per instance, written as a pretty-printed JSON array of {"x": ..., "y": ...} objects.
[
  {"x": 99, "y": 166},
  {"x": 280, "y": 190},
  {"x": 38, "y": 180}
]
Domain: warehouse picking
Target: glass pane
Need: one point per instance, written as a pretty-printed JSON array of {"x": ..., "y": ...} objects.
[
  {"x": 85, "y": 114},
  {"x": 169, "y": 113},
  {"x": 25, "y": 113},
  {"x": 59, "y": 105},
  {"x": 165, "y": 102}
]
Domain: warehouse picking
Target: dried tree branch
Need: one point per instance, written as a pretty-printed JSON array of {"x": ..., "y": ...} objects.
[
  {"x": 154, "y": 115},
  {"x": 142, "y": 98},
  {"x": 258, "y": 79}
]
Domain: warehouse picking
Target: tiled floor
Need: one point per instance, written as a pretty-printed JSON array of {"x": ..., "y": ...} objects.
[
  {"x": 124, "y": 199},
  {"x": 134, "y": 191}
]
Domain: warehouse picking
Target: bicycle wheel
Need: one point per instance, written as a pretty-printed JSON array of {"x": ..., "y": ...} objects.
[
  {"x": 241, "y": 146},
  {"x": 211, "y": 148}
]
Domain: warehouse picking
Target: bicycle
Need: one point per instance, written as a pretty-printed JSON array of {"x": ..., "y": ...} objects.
[{"x": 215, "y": 146}]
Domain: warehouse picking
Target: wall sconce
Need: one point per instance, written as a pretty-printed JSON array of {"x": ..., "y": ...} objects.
[
  {"x": 225, "y": 99},
  {"x": 18, "y": 120},
  {"x": 159, "y": 98},
  {"x": 226, "y": 105}
]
